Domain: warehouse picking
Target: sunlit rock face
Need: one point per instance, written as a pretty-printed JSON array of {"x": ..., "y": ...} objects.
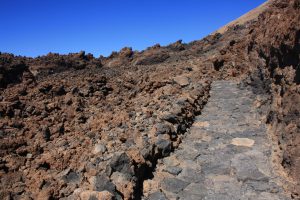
[{"x": 221, "y": 111}]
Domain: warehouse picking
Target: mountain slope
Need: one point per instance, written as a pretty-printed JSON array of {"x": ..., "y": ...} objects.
[
  {"x": 246, "y": 18},
  {"x": 73, "y": 125}
]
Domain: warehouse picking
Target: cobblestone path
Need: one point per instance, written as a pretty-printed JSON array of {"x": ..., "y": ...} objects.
[{"x": 225, "y": 155}]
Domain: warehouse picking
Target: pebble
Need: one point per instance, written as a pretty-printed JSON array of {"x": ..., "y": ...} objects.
[
  {"x": 89, "y": 195},
  {"x": 29, "y": 156},
  {"x": 182, "y": 80},
  {"x": 99, "y": 148}
]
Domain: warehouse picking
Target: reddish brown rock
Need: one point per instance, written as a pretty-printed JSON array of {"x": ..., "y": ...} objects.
[{"x": 56, "y": 109}]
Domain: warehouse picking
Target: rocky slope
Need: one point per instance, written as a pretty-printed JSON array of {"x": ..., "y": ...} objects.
[{"x": 78, "y": 127}]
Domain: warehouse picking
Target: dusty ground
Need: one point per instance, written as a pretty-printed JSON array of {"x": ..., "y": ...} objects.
[{"x": 74, "y": 125}]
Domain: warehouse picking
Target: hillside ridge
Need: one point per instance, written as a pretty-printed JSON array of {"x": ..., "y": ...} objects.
[{"x": 79, "y": 127}]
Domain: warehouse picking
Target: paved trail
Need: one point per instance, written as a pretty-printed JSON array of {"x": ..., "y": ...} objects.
[{"x": 225, "y": 156}]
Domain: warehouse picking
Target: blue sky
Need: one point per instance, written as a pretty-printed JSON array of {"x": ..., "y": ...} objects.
[{"x": 36, "y": 27}]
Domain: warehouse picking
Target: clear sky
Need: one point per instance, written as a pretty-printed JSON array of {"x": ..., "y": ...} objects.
[{"x": 36, "y": 27}]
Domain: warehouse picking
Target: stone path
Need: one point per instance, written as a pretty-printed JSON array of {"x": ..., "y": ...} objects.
[{"x": 225, "y": 156}]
